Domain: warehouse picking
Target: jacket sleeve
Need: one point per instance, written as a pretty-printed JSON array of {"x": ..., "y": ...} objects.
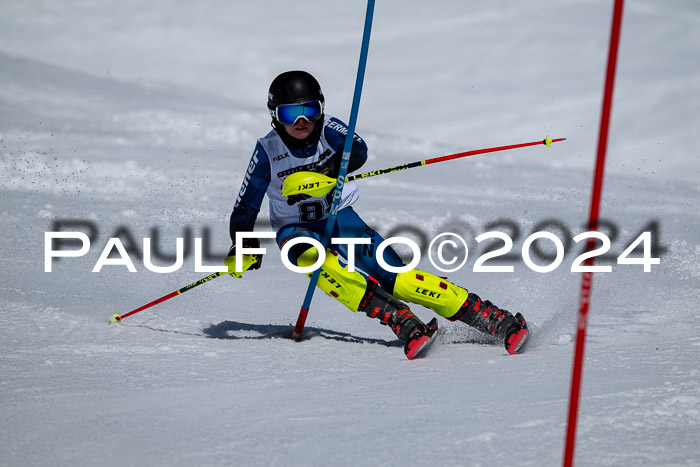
[
  {"x": 335, "y": 132},
  {"x": 255, "y": 182}
]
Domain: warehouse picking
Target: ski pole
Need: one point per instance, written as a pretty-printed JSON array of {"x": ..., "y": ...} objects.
[
  {"x": 247, "y": 262},
  {"x": 345, "y": 161},
  {"x": 315, "y": 184}
]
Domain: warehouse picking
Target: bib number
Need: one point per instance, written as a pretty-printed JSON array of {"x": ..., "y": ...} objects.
[{"x": 312, "y": 211}]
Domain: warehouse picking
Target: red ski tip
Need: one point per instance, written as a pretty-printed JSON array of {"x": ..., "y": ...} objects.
[
  {"x": 416, "y": 346},
  {"x": 516, "y": 341},
  {"x": 419, "y": 342}
]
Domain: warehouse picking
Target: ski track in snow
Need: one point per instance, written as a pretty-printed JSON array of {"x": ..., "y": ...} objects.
[{"x": 141, "y": 129}]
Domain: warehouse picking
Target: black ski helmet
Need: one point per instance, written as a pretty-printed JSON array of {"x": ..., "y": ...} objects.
[{"x": 293, "y": 87}]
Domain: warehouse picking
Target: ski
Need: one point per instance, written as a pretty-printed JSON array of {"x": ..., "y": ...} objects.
[
  {"x": 419, "y": 342},
  {"x": 515, "y": 341}
]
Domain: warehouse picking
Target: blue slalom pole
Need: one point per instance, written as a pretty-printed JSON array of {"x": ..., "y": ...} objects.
[{"x": 345, "y": 161}]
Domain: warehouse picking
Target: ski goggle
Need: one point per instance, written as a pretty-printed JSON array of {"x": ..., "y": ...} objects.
[{"x": 288, "y": 114}]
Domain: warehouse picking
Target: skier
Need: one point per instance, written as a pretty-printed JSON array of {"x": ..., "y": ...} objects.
[{"x": 304, "y": 137}]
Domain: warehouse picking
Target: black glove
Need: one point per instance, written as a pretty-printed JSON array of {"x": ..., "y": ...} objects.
[
  {"x": 294, "y": 199},
  {"x": 249, "y": 243},
  {"x": 331, "y": 166}
]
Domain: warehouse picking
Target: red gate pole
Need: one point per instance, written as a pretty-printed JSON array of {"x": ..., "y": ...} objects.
[{"x": 587, "y": 279}]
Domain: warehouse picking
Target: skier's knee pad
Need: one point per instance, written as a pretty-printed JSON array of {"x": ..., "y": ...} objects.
[
  {"x": 345, "y": 286},
  {"x": 431, "y": 291}
]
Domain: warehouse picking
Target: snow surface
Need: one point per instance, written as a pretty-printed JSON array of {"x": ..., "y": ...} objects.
[{"x": 143, "y": 116}]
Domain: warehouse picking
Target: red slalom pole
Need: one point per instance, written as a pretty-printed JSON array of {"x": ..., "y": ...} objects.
[{"x": 587, "y": 279}]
